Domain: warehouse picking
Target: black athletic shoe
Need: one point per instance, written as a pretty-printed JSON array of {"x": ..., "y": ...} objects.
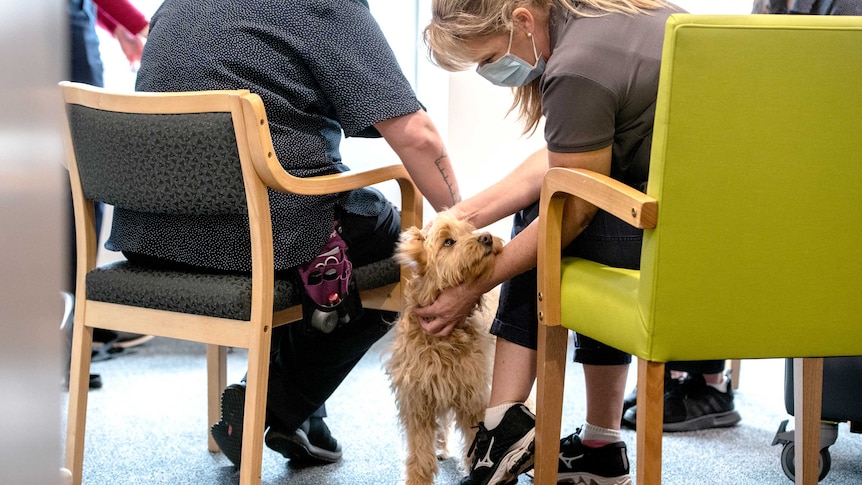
[
  {"x": 670, "y": 384},
  {"x": 694, "y": 405},
  {"x": 227, "y": 433},
  {"x": 310, "y": 444},
  {"x": 581, "y": 464},
  {"x": 503, "y": 453}
]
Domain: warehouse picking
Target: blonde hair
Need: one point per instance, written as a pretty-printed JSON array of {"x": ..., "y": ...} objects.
[{"x": 456, "y": 22}]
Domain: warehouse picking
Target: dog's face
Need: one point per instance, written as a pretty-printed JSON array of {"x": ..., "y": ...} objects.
[{"x": 451, "y": 254}]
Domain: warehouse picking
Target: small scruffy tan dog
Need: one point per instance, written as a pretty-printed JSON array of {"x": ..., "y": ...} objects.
[{"x": 440, "y": 381}]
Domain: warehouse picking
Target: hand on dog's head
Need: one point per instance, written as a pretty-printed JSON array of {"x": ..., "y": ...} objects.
[{"x": 451, "y": 253}]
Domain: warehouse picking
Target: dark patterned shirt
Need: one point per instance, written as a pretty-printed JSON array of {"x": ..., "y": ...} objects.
[{"x": 322, "y": 67}]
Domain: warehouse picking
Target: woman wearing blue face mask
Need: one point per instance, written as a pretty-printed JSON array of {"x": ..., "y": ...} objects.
[
  {"x": 510, "y": 70},
  {"x": 590, "y": 68}
]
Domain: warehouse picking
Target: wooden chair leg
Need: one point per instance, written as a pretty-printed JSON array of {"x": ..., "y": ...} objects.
[
  {"x": 734, "y": 372},
  {"x": 216, "y": 382},
  {"x": 551, "y": 375},
  {"x": 79, "y": 386},
  {"x": 650, "y": 417},
  {"x": 255, "y": 409},
  {"x": 807, "y": 397}
]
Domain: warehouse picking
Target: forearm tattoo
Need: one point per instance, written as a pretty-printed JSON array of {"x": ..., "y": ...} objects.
[{"x": 454, "y": 195}]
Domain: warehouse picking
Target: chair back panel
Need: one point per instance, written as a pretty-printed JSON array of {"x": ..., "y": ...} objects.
[
  {"x": 756, "y": 169},
  {"x": 183, "y": 163}
]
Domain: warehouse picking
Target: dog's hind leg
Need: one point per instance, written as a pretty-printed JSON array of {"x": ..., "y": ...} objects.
[{"x": 444, "y": 427}]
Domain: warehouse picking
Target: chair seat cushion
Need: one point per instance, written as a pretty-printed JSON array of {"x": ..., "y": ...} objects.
[
  {"x": 225, "y": 295},
  {"x": 601, "y": 302}
]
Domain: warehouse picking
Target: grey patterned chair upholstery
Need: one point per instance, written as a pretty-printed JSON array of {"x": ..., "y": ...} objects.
[{"x": 193, "y": 153}]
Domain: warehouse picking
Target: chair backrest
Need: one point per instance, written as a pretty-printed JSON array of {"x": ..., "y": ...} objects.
[
  {"x": 757, "y": 169},
  {"x": 172, "y": 153},
  {"x": 162, "y": 153}
]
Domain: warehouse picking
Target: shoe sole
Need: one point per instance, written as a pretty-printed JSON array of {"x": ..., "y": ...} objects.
[
  {"x": 590, "y": 479},
  {"x": 227, "y": 433},
  {"x": 515, "y": 462},
  {"x": 717, "y": 420},
  {"x": 298, "y": 449}
]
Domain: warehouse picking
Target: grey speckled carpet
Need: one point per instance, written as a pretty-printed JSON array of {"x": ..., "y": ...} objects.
[{"x": 148, "y": 426}]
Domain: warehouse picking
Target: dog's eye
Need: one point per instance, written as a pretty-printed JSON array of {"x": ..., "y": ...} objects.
[{"x": 449, "y": 242}]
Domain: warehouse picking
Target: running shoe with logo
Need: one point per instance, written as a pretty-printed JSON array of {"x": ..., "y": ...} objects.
[
  {"x": 503, "y": 453},
  {"x": 583, "y": 465}
]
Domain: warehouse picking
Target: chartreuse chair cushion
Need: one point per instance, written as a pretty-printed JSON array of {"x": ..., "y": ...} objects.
[
  {"x": 604, "y": 302},
  {"x": 755, "y": 166}
]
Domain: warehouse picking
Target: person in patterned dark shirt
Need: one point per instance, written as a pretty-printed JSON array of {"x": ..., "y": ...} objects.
[{"x": 323, "y": 69}]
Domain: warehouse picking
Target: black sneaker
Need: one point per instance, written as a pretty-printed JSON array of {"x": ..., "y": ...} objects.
[
  {"x": 503, "y": 453},
  {"x": 628, "y": 421},
  {"x": 581, "y": 464},
  {"x": 310, "y": 444},
  {"x": 694, "y": 405},
  {"x": 227, "y": 433}
]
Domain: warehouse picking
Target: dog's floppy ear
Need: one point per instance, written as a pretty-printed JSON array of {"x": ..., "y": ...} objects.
[{"x": 411, "y": 249}]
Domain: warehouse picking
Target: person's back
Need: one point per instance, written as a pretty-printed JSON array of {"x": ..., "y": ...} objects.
[{"x": 320, "y": 66}]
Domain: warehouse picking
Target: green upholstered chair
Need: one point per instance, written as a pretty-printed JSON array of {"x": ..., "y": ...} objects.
[
  {"x": 752, "y": 217},
  {"x": 194, "y": 153}
]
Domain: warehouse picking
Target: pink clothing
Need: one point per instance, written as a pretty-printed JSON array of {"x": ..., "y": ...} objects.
[{"x": 112, "y": 13}]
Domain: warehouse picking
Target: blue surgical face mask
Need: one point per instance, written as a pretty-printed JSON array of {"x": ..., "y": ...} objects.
[{"x": 510, "y": 70}]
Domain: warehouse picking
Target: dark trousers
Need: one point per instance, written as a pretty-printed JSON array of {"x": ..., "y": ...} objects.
[{"x": 306, "y": 366}]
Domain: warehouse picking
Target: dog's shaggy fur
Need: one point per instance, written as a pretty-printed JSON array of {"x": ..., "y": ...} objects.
[{"x": 440, "y": 381}]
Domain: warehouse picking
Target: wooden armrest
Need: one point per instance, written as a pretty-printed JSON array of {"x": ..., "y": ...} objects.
[
  {"x": 272, "y": 173},
  {"x": 612, "y": 196},
  {"x": 630, "y": 205}
]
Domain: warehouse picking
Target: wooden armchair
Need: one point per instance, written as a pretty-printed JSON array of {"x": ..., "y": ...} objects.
[
  {"x": 194, "y": 152},
  {"x": 752, "y": 224}
]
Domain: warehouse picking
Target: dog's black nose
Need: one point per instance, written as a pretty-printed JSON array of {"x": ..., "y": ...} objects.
[{"x": 486, "y": 239}]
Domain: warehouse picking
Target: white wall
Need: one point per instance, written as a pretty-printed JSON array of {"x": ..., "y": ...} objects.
[{"x": 31, "y": 229}]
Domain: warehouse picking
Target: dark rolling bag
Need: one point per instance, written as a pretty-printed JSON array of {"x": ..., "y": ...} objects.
[{"x": 842, "y": 402}]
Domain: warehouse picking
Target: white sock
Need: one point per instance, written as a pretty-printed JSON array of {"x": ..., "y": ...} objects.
[
  {"x": 494, "y": 415},
  {"x": 722, "y": 387},
  {"x": 595, "y": 433}
]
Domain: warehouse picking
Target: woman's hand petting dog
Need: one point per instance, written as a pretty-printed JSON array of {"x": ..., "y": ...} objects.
[{"x": 450, "y": 309}]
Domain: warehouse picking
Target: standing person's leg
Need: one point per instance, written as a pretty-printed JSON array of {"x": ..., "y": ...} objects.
[
  {"x": 85, "y": 66},
  {"x": 698, "y": 395},
  {"x": 703, "y": 398}
]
